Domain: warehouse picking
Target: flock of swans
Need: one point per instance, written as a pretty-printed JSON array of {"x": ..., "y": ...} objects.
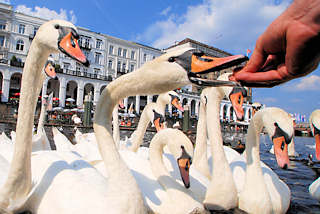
[{"x": 101, "y": 174}]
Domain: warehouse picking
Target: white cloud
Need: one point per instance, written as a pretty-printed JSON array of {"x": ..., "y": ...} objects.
[
  {"x": 45, "y": 13},
  {"x": 309, "y": 83},
  {"x": 5, "y": 1},
  {"x": 232, "y": 25},
  {"x": 166, "y": 11}
]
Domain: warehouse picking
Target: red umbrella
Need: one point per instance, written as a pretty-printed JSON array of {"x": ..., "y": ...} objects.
[
  {"x": 16, "y": 94},
  {"x": 55, "y": 98}
]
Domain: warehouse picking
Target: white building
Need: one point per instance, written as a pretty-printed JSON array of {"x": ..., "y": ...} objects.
[{"x": 109, "y": 57}]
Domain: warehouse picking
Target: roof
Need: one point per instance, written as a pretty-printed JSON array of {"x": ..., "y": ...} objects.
[
  {"x": 186, "y": 40},
  {"x": 146, "y": 46}
]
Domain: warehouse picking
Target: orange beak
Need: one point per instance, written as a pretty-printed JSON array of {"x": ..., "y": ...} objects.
[
  {"x": 50, "y": 70},
  {"x": 184, "y": 166},
  {"x": 69, "y": 45},
  {"x": 159, "y": 126},
  {"x": 176, "y": 103},
  {"x": 205, "y": 64},
  {"x": 281, "y": 151},
  {"x": 237, "y": 101},
  {"x": 317, "y": 138}
]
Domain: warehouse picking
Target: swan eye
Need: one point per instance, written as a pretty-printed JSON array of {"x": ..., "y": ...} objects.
[
  {"x": 282, "y": 146},
  {"x": 171, "y": 59},
  {"x": 72, "y": 42},
  {"x": 56, "y": 26}
]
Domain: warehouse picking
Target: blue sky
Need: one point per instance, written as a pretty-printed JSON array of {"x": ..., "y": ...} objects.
[{"x": 230, "y": 25}]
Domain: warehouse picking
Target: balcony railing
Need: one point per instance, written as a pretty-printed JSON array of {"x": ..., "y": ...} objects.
[
  {"x": 85, "y": 74},
  {"x": 17, "y": 64}
]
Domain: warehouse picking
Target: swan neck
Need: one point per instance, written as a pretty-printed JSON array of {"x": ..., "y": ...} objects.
[
  {"x": 42, "y": 116},
  {"x": 18, "y": 183},
  {"x": 254, "y": 173},
  {"x": 214, "y": 130},
  {"x": 157, "y": 165},
  {"x": 119, "y": 174},
  {"x": 138, "y": 134},
  {"x": 161, "y": 103},
  {"x": 222, "y": 183},
  {"x": 103, "y": 131},
  {"x": 200, "y": 151},
  {"x": 253, "y": 142},
  {"x": 116, "y": 129}
]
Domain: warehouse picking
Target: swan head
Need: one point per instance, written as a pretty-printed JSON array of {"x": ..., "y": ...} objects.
[
  {"x": 184, "y": 162},
  {"x": 314, "y": 121},
  {"x": 181, "y": 148},
  {"x": 61, "y": 35},
  {"x": 174, "y": 99},
  {"x": 185, "y": 65},
  {"x": 49, "y": 69},
  {"x": 158, "y": 120},
  {"x": 235, "y": 94},
  {"x": 279, "y": 127}
]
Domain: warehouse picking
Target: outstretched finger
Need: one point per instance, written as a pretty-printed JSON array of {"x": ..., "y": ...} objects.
[{"x": 249, "y": 77}]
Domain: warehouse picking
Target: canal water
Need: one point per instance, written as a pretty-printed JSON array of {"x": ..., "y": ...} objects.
[{"x": 298, "y": 177}]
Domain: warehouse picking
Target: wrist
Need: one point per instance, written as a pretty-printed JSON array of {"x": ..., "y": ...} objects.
[{"x": 306, "y": 12}]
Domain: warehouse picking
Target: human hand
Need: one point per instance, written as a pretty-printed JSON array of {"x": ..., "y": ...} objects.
[{"x": 288, "y": 49}]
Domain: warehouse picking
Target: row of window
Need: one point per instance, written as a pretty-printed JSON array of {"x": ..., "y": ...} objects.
[
  {"x": 97, "y": 56},
  {"x": 122, "y": 52},
  {"x": 84, "y": 41},
  {"x": 121, "y": 68}
]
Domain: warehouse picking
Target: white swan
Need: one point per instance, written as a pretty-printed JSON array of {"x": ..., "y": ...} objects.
[
  {"x": 200, "y": 175},
  {"x": 201, "y": 154},
  {"x": 154, "y": 113},
  {"x": 221, "y": 193},
  {"x": 54, "y": 172},
  {"x": 314, "y": 120},
  {"x": 161, "y": 192},
  {"x": 164, "y": 73},
  {"x": 260, "y": 189}
]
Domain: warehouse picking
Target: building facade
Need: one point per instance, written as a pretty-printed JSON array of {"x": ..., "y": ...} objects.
[{"x": 109, "y": 58}]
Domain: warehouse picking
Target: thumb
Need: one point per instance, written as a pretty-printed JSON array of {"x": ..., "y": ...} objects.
[{"x": 254, "y": 64}]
